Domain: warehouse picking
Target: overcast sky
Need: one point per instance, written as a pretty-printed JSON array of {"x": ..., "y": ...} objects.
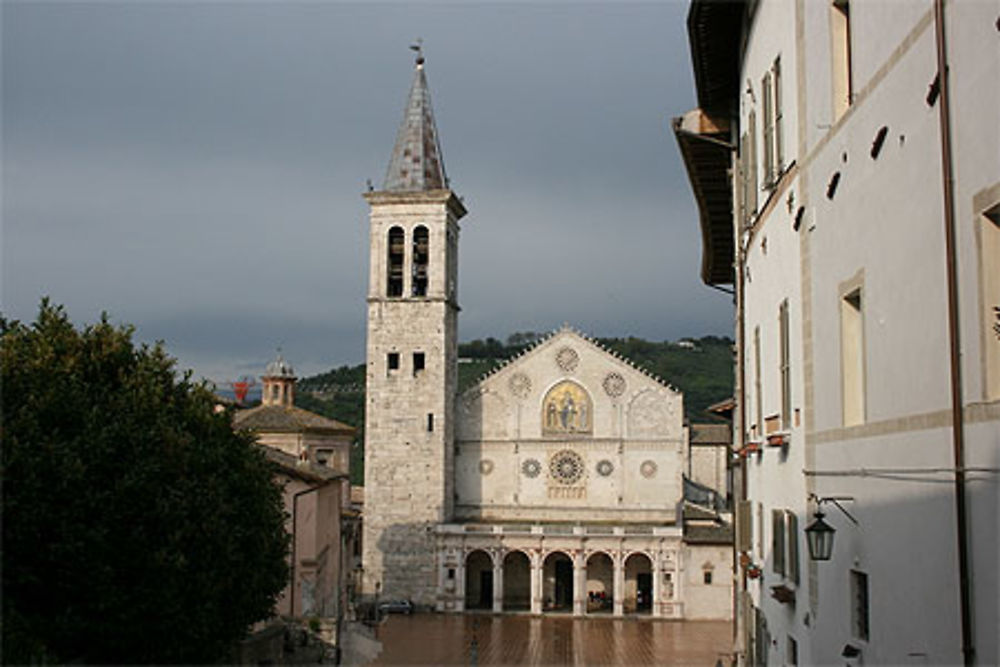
[{"x": 196, "y": 169}]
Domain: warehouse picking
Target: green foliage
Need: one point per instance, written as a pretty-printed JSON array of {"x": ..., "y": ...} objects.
[{"x": 137, "y": 526}]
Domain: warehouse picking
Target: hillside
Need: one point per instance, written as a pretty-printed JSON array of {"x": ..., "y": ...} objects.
[{"x": 701, "y": 368}]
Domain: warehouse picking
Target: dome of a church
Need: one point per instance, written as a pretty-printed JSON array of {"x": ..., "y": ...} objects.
[{"x": 279, "y": 368}]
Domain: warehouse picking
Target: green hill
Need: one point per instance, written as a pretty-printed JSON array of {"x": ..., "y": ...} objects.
[{"x": 701, "y": 368}]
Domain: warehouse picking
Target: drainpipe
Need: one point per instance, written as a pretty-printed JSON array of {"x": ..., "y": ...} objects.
[
  {"x": 954, "y": 337},
  {"x": 739, "y": 428}
]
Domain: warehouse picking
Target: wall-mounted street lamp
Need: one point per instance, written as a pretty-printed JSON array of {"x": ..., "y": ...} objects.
[{"x": 819, "y": 534}]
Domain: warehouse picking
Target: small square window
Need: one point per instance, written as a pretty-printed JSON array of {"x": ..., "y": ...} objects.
[
  {"x": 393, "y": 361},
  {"x": 418, "y": 363}
]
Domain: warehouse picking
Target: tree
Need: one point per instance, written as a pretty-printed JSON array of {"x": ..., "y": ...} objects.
[{"x": 137, "y": 526}]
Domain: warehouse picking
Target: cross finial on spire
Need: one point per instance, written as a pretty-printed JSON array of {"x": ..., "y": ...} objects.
[{"x": 418, "y": 46}]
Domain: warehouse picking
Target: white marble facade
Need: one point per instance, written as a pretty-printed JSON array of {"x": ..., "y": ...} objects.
[{"x": 568, "y": 476}]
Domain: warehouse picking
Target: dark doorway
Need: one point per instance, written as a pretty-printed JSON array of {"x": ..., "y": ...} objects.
[
  {"x": 644, "y": 589},
  {"x": 485, "y": 590},
  {"x": 564, "y": 584}
]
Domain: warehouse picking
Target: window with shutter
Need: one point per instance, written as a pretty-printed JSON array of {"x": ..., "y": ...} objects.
[
  {"x": 768, "y": 131},
  {"x": 778, "y": 541},
  {"x": 784, "y": 366},
  {"x": 792, "y": 570},
  {"x": 779, "y": 144}
]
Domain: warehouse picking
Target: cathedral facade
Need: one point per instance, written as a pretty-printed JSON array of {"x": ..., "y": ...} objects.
[{"x": 556, "y": 483}]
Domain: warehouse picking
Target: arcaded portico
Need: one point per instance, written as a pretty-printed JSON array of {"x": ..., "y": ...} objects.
[{"x": 578, "y": 570}]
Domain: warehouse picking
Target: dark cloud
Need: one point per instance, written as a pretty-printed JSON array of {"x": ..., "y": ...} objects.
[{"x": 196, "y": 168}]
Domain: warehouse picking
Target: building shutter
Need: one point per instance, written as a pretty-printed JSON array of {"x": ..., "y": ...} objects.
[
  {"x": 744, "y": 526},
  {"x": 778, "y": 541},
  {"x": 768, "y": 161},
  {"x": 792, "y": 571}
]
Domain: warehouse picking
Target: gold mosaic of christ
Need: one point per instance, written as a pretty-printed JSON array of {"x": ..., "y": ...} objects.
[{"x": 567, "y": 409}]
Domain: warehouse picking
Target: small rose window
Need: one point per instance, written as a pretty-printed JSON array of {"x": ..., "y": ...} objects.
[{"x": 566, "y": 467}]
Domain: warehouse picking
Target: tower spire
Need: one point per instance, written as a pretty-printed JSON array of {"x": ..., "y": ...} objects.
[{"x": 416, "y": 164}]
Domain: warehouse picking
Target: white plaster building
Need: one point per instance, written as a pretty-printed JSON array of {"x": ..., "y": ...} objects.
[
  {"x": 554, "y": 484},
  {"x": 851, "y": 196}
]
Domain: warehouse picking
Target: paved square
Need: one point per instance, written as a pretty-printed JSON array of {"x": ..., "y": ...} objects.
[{"x": 434, "y": 639}]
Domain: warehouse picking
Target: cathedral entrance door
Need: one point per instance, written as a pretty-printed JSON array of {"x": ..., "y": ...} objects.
[{"x": 478, "y": 580}]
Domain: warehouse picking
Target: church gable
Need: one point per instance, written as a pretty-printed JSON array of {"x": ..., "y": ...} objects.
[{"x": 568, "y": 385}]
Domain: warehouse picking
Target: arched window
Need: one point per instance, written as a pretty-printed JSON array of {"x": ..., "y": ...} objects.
[
  {"x": 394, "y": 276},
  {"x": 421, "y": 248}
]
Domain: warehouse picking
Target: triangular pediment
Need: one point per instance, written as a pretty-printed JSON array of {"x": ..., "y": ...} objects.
[{"x": 569, "y": 385}]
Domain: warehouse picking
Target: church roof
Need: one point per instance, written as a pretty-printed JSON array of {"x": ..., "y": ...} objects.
[
  {"x": 305, "y": 470},
  {"x": 710, "y": 434},
  {"x": 567, "y": 330},
  {"x": 287, "y": 419},
  {"x": 416, "y": 164}
]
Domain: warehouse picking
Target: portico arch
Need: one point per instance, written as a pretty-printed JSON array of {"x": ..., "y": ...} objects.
[
  {"x": 557, "y": 582},
  {"x": 516, "y": 581},
  {"x": 478, "y": 580},
  {"x": 638, "y": 584},
  {"x": 600, "y": 583}
]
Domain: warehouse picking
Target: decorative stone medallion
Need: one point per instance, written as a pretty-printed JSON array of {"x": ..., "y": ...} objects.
[
  {"x": 485, "y": 467},
  {"x": 531, "y": 468},
  {"x": 605, "y": 468},
  {"x": 567, "y": 359},
  {"x": 566, "y": 467},
  {"x": 614, "y": 385},
  {"x": 520, "y": 385},
  {"x": 648, "y": 469}
]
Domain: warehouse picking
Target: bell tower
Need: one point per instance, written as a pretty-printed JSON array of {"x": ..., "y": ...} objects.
[{"x": 412, "y": 370}]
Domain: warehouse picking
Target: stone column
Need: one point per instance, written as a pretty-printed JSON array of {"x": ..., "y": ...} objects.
[
  {"x": 536, "y": 583},
  {"x": 460, "y": 585},
  {"x": 619, "y": 599},
  {"x": 657, "y": 584},
  {"x": 579, "y": 583},
  {"x": 497, "y": 582}
]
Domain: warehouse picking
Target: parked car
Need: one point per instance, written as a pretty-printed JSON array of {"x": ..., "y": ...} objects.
[{"x": 395, "y": 607}]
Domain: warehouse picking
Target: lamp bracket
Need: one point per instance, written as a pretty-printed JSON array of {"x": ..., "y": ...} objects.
[{"x": 836, "y": 500}]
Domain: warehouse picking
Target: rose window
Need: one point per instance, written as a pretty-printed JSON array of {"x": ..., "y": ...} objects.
[
  {"x": 605, "y": 468},
  {"x": 648, "y": 469},
  {"x": 520, "y": 385},
  {"x": 614, "y": 385},
  {"x": 566, "y": 467},
  {"x": 531, "y": 468},
  {"x": 567, "y": 359}
]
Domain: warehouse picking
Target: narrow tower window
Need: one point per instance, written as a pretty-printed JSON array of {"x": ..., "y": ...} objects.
[
  {"x": 852, "y": 357},
  {"x": 392, "y": 361},
  {"x": 418, "y": 363},
  {"x": 421, "y": 248},
  {"x": 394, "y": 277}
]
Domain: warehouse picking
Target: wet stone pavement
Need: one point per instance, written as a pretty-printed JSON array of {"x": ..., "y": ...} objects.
[{"x": 434, "y": 639}]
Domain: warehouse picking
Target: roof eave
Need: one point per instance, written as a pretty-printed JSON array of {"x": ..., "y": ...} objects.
[{"x": 707, "y": 157}]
